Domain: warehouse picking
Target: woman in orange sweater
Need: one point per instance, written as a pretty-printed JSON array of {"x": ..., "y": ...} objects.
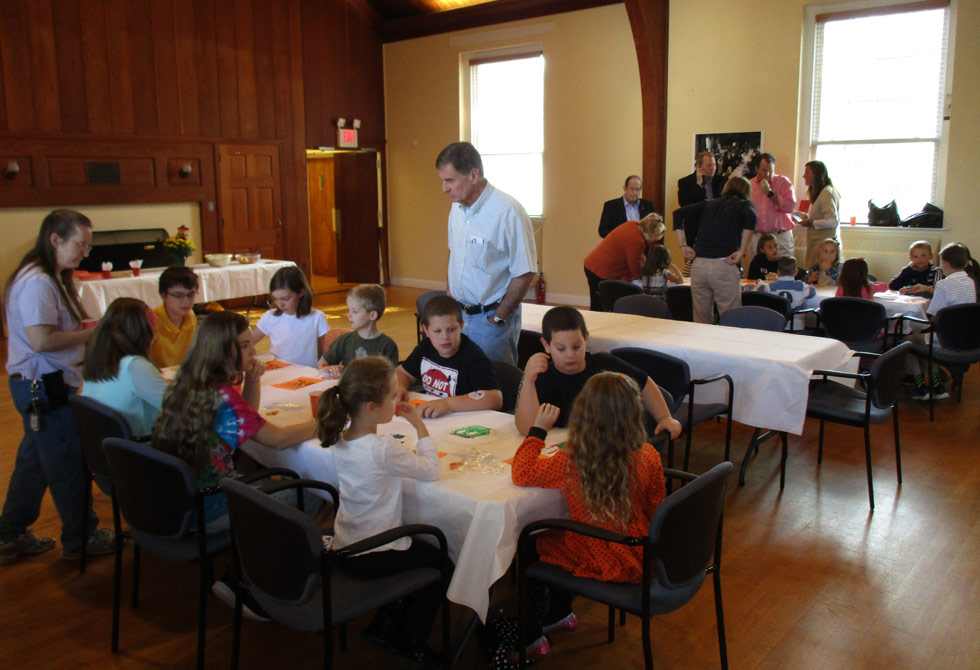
[
  {"x": 610, "y": 477},
  {"x": 621, "y": 254}
]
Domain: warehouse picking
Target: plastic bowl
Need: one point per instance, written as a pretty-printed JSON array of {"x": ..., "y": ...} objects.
[
  {"x": 218, "y": 260},
  {"x": 245, "y": 259}
]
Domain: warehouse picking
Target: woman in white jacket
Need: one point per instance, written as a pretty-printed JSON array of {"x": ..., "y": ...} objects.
[{"x": 822, "y": 222}]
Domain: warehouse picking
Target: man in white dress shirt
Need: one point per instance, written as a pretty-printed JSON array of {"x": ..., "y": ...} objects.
[{"x": 492, "y": 257}]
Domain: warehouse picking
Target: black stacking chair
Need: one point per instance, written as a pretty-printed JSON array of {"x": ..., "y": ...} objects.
[
  {"x": 510, "y": 378},
  {"x": 759, "y": 318},
  {"x": 611, "y": 290},
  {"x": 674, "y": 375},
  {"x": 854, "y": 321},
  {"x": 296, "y": 580},
  {"x": 679, "y": 302},
  {"x": 778, "y": 302},
  {"x": 682, "y": 548},
  {"x": 958, "y": 330},
  {"x": 859, "y": 407},
  {"x": 163, "y": 507},
  {"x": 643, "y": 305},
  {"x": 528, "y": 344},
  {"x": 419, "y": 304},
  {"x": 96, "y": 422}
]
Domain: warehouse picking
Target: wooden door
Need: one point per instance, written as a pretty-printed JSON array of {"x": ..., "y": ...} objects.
[
  {"x": 323, "y": 240},
  {"x": 250, "y": 199},
  {"x": 357, "y": 217}
]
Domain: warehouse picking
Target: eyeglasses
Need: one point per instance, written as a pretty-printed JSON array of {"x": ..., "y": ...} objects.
[
  {"x": 85, "y": 248},
  {"x": 190, "y": 295}
]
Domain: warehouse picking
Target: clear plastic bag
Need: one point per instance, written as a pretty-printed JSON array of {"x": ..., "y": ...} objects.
[{"x": 476, "y": 460}]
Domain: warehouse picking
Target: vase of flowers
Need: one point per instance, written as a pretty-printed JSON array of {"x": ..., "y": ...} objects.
[{"x": 179, "y": 247}]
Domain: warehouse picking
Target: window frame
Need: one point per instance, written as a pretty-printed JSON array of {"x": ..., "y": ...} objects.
[
  {"x": 806, "y": 149},
  {"x": 467, "y": 60}
]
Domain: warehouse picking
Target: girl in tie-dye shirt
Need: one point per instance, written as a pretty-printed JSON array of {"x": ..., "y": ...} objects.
[{"x": 204, "y": 417}]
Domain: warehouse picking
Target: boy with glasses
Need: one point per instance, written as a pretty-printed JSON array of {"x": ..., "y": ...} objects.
[{"x": 176, "y": 321}]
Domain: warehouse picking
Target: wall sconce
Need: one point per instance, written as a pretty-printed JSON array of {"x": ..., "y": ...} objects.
[
  {"x": 185, "y": 170},
  {"x": 341, "y": 122},
  {"x": 357, "y": 124},
  {"x": 13, "y": 169}
]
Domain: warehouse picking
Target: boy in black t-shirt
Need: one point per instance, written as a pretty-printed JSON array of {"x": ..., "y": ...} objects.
[
  {"x": 556, "y": 376},
  {"x": 449, "y": 364}
]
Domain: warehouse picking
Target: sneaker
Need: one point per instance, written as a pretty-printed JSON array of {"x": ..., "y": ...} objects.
[
  {"x": 25, "y": 544},
  {"x": 938, "y": 390},
  {"x": 919, "y": 390},
  {"x": 537, "y": 649},
  {"x": 908, "y": 380},
  {"x": 102, "y": 543},
  {"x": 565, "y": 624},
  {"x": 226, "y": 594}
]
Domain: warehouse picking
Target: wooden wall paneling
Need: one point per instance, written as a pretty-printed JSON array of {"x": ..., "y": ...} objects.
[
  {"x": 313, "y": 27},
  {"x": 328, "y": 84},
  {"x": 17, "y": 67},
  {"x": 3, "y": 94},
  {"x": 367, "y": 80},
  {"x": 44, "y": 76},
  {"x": 296, "y": 231},
  {"x": 93, "y": 55},
  {"x": 649, "y": 22},
  {"x": 165, "y": 67},
  {"x": 185, "y": 68},
  {"x": 264, "y": 73},
  {"x": 205, "y": 47},
  {"x": 73, "y": 102},
  {"x": 143, "y": 72},
  {"x": 117, "y": 40},
  {"x": 245, "y": 66},
  {"x": 226, "y": 88}
]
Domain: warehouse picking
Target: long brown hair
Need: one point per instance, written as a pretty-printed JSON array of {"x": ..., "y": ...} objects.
[
  {"x": 365, "y": 380},
  {"x": 853, "y": 278},
  {"x": 61, "y": 222},
  {"x": 124, "y": 330},
  {"x": 821, "y": 179},
  {"x": 186, "y": 419},
  {"x": 605, "y": 431}
]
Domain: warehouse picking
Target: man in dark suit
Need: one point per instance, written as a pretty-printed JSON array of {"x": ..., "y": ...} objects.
[
  {"x": 703, "y": 184},
  {"x": 631, "y": 207}
]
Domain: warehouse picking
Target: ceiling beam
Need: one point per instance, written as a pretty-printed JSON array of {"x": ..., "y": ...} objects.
[{"x": 476, "y": 16}]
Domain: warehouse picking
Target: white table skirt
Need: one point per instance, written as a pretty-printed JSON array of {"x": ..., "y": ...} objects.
[
  {"x": 481, "y": 514},
  {"x": 771, "y": 371},
  {"x": 233, "y": 281},
  {"x": 895, "y": 304}
]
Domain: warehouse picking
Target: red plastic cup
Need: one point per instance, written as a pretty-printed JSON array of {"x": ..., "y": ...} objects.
[
  {"x": 107, "y": 274},
  {"x": 315, "y": 400},
  {"x": 89, "y": 323},
  {"x": 805, "y": 206},
  {"x": 136, "y": 272},
  {"x": 853, "y": 220}
]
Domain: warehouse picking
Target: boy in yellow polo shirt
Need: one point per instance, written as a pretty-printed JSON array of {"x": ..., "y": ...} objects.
[{"x": 176, "y": 321}]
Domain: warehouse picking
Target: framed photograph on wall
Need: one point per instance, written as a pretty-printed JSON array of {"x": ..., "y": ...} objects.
[{"x": 733, "y": 151}]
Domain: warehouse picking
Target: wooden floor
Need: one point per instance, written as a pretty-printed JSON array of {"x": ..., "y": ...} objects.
[{"x": 811, "y": 579}]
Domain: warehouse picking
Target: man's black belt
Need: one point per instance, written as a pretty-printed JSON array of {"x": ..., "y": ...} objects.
[{"x": 479, "y": 309}]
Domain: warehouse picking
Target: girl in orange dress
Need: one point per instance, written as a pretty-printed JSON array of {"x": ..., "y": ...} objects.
[{"x": 610, "y": 477}]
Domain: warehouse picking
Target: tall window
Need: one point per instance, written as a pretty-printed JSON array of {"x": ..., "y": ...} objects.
[
  {"x": 878, "y": 92},
  {"x": 507, "y": 123}
]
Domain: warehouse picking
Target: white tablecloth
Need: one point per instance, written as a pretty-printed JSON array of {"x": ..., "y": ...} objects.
[
  {"x": 771, "y": 371},
  {"x": 233, "y": 281},
  {"x": 481, "y": 514},
  {"x": 894, "y": 302}
]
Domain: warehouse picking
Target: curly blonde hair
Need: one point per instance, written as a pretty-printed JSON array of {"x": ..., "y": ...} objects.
[
  {"x": 605, "y": 431},
  {"x": 186, "y": 419}
]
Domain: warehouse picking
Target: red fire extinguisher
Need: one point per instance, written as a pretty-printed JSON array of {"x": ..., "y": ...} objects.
[{"x": 540, "y": 289}]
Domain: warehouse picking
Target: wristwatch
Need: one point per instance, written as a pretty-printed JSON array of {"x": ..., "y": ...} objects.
[{"x": 498, "y": 321}]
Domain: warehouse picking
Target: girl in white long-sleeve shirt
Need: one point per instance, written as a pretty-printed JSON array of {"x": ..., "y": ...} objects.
[{"x": 370, "y": 468}]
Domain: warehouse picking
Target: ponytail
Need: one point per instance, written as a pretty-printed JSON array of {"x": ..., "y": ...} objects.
[
  {"x": 365, "y": 380},
  {"x": 331, "y": 417}
]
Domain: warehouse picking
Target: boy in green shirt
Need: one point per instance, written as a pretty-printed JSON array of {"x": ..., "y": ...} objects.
[{"x": 365, "y": 305}]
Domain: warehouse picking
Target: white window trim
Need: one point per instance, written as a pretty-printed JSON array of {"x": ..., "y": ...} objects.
[{"x": 806, "y": 83}]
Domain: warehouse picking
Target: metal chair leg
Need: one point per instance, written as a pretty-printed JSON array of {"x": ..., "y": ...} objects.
[
  {"x": 867, "y": 454},
  {"x": 782, "y": 460},
  {"x": 820, "y": 445},
  {"x": 647, "y": 649},
  {"x": 612, "y": 624},
  {"x": 136, "y": 576},
  {"x": 898, "y": 447},
  {"x": 202, "y": 611},
  {"x": 86, "y": 503}
]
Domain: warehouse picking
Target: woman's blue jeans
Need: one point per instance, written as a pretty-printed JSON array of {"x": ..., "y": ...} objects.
[{"x": 50, "y": 458}]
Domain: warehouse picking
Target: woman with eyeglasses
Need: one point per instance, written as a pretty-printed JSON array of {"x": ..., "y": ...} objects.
[
  {"x": 176, "y": 321},
  {"x": 45, "y": 350}
]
